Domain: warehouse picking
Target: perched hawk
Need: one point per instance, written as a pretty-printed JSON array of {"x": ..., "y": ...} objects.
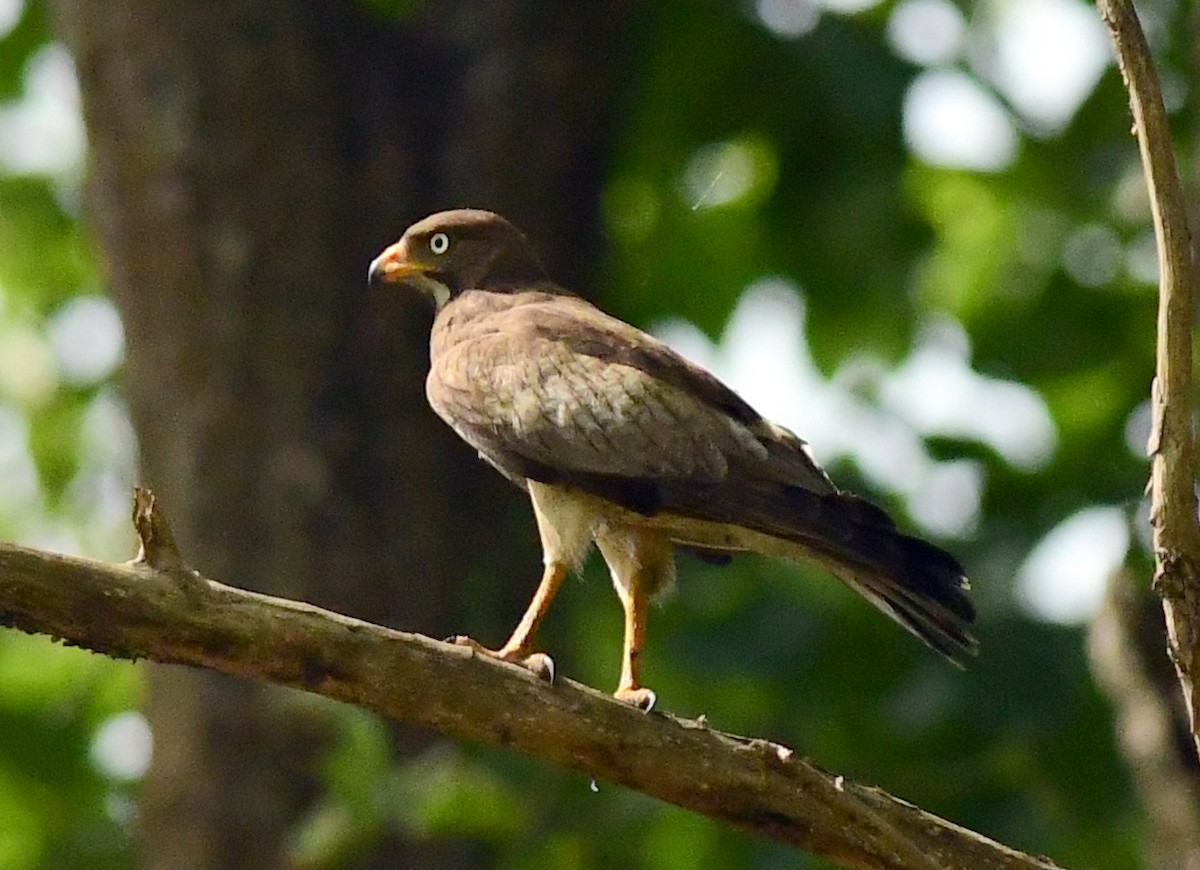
[{"x": 621, "y": 441}]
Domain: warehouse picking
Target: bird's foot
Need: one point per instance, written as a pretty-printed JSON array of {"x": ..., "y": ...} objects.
[
  {"x": 539, "y": 663},
  {"x": 639, "y": 697}
]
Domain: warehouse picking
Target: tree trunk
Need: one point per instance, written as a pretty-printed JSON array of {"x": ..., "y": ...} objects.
[{"x": 248, "y": 159}]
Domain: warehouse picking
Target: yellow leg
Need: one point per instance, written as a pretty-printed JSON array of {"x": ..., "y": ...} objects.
[
  {"x": 518, "y": 648},
  {"x": 637, "y": 607},
  {"x": 642, "y": 564}
]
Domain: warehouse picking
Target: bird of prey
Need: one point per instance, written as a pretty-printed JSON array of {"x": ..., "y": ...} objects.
[{"x": 621, "y": 441}]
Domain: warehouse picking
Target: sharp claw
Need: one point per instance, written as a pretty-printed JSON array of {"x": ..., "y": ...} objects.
[
  {"x": 642, "y": 698},
  {"x": 541, "y": 665}
]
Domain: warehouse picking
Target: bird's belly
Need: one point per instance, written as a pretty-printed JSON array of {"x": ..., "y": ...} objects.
[{"x": 606, "y": 516}]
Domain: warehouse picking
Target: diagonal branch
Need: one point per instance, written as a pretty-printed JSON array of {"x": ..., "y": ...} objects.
[
  {"x": 174, "y": 615},
  {"x": 1173, "y": 498}
]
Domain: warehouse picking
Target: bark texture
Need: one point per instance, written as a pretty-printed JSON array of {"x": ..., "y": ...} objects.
[
  {"x": 248, "y": 158},
  {"x": 175, "y": 615}
]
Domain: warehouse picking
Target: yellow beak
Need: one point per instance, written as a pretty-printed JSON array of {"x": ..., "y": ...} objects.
[{"x": 393, "y": 266}]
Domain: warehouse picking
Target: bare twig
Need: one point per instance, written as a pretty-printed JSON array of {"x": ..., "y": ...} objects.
[
  {"x": 1173, "y": 500},
  {"x": 136, "y": 611},
  {"x": 156, "y": 541}
]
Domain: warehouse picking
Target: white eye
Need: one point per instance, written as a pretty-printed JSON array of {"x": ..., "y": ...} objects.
[{"x": 439, "y": 243}]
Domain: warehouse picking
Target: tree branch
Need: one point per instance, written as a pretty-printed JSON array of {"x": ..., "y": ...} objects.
[
  {"x": 1173, "y": 499},
  {"x": 172, "y": 614}
]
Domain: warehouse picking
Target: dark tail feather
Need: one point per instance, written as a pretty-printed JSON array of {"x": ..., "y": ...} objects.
[{"x": 917, "y": 584}]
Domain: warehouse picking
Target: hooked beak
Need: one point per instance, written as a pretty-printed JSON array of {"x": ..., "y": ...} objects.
[{"x": 394, "y": 266}]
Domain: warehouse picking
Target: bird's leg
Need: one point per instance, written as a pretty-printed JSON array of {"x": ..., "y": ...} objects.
[
  {"x": 564, "y": 522},
  {"x": 636, "y": 601},
  {"x": 519, "y": 645},
  {"x": 642, "y": 564}
]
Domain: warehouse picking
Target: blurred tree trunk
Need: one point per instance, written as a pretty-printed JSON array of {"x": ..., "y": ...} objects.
[{"x": 248, "y": 159}]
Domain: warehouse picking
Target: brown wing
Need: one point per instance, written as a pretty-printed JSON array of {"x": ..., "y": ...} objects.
[{"x": 552, "y": 387}]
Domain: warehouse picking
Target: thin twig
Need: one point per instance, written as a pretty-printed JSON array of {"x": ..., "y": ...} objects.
[{"x": 1172, "y": 499}]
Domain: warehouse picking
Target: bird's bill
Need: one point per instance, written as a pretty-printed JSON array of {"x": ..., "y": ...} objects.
[{"x": 395, "y": 266}]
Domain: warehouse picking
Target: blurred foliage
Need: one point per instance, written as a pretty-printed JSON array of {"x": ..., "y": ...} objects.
[
  {"x": 29, "y": 33},
  {"x": 58, "y": 808},
  {"x": 743, "y": 154}
]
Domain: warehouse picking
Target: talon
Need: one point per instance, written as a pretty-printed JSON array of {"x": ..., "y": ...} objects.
[
  {"x": 642, "y": 698},
  {"x": 541, "y": 665}
]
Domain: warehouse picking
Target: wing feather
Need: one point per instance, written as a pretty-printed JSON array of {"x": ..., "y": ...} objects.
[
  {"x": 551, "y": 381},
  {"x": 534, "y": 397}
]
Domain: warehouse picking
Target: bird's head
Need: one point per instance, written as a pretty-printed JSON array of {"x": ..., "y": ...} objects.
[{"x": 452, "y": 251}]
